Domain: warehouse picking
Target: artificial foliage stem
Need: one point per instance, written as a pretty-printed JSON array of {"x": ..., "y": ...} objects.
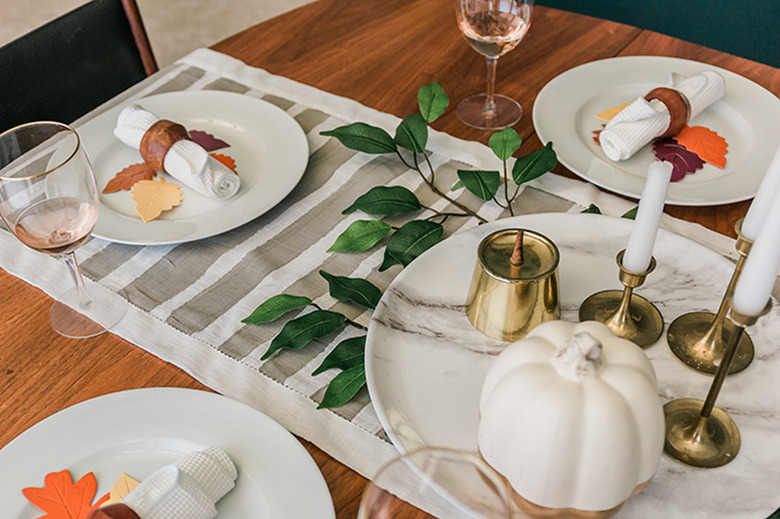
[
  {"x": 435, "y": 189},
  {"x": 85, "y": 301},
  {"x": 506, "y": 192}
]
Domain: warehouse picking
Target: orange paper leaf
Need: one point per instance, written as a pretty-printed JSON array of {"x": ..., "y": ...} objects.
[
  {"x": 226, "y": 160},
  {"x": 609, "y": 113},
  {"x": 125, "y": 179},
  {"x": 153, "y": 197},
  {"x": 705, "y": 143},
  {"x": 60, "y": 498},
  {"x": 123, "y": 486}
]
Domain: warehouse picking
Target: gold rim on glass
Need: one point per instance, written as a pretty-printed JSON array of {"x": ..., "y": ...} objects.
[{"x": 39, "y": 123}]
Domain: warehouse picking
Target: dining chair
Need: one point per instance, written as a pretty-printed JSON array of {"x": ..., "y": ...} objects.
[
  {"x": 72, "y": 64},
  {"x": 746, "y": 28}
]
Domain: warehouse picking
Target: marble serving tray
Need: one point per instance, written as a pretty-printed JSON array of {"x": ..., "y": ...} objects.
[{"x": 425, "y": 363}]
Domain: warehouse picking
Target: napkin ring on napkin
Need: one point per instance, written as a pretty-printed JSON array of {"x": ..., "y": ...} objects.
[
  {"x": 678, "y": 105},
  {"x": 158, "y": 139}
]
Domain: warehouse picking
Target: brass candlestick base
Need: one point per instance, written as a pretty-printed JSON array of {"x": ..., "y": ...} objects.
[
  {"x": 696, "y": 440},
  {"x": 698, "y": 433},
  {"x": 627, "y": 314},
  {"x": 699, "y": 339}
]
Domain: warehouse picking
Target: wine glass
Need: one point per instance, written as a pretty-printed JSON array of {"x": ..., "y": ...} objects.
[
  {"x": 49, "y": 200},
  {"x": 443, "y": 482},
  {"x": 492, "y": 28}
]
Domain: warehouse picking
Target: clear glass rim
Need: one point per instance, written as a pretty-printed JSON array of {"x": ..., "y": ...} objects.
[
  {"x": 64, "y": 126},
  {"x": 491, "y": 473}
]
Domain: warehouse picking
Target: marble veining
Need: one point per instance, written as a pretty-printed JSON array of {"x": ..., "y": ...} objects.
[{"x": 426, "y": 363}]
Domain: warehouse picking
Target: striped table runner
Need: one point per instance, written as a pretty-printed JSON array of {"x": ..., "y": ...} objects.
[{"x": 188, "y": 300}]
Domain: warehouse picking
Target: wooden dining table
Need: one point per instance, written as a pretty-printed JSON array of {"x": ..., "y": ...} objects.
[{"x": 377, "y": 53}]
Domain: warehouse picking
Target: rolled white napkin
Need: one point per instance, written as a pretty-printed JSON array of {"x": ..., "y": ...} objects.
[
  {"x": 186, "y": 160},
  {"x": 642, "y": 121},
  {"x": 188, "y": 489}
]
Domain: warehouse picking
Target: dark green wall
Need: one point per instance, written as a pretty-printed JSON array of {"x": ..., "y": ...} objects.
[{"x": 747, "y": 28}]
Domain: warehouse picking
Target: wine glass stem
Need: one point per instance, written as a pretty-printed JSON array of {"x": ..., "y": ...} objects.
[
  {"x": 85, "y": 301},
  {"x": 490, "y": 104}
]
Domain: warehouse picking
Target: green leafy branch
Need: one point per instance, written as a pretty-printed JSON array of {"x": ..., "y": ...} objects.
[
  {"x": 405, "y": 243},
  {"x": 347, "y": 356}
]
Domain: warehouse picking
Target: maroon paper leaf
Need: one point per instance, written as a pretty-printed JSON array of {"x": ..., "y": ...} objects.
[
  {"x": 683, "y": 161},
  {"x": 207, "y": 141}
]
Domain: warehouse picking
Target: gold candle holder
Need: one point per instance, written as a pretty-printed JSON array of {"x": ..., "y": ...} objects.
[
  {"x": 699, "y": 339},
  {"x": 629, "y": 315},
  {"x": 506, "y": 301},
  {"x": 698, "y": 433}
]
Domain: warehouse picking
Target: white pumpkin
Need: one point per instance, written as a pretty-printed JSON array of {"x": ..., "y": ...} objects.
[{"x": 570, "y": 416}]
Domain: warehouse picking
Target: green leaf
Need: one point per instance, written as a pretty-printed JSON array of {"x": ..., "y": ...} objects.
[
  {"x": 631, "y": 213},
  {"x": 412, "y": 133},
  {"x": 505, "y": 143},
  {"x": 276, "y": 307},
  {"x": 357, "y": 290},
  {"x": 347, "y": 354},
  {"x": 363, "y": 137},
  {"x": 344, "y": 387},
  {"x": 456, "y": 186},
  {"x": 534, "y": 164},
  {"x": 360, "y": 236},
  {"x": 484, "y": 184},
  {"x": 593, "y": 209},
  {"x": 411, "y": 240},
  {"x": 301, "y": 331},
  {"x": 433, "y": 101},
  {"x": 383, "y": 200}
]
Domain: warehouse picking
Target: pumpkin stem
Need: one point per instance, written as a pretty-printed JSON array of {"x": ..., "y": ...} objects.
[{"x": 580, "y": 358}]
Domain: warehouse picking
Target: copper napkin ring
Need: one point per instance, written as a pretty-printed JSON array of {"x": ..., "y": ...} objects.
[
  {"x": 678, "y": 105},
  {"x": 158, "y": 139}
]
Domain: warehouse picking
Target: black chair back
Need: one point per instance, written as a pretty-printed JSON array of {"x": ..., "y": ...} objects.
[{"x": 65, "y": 68}]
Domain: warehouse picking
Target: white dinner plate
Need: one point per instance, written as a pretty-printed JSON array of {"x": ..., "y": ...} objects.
[
  {"x": 136, "y": 432},
  {"x": 425, "y": 363},
  {"x": 565, "y": 110},
  {"x": 268, "y": 145}
]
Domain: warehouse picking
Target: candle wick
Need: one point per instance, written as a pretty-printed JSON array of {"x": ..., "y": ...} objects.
[{"x": 517, "y": 254}]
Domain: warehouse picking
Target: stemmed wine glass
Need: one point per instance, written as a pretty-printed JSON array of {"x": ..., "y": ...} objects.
[
  {"x": 492, "y": 28},
  {"x": 444, "y": 482},
  {"x": 49, "y": 200}
]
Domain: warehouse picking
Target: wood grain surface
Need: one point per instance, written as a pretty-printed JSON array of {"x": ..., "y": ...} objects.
[{"x": 378, "y": 53}]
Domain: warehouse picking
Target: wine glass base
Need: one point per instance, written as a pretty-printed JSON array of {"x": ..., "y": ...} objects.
[
  {"x": 473, "y": 112},
  {"x": 70, "y": 319}
]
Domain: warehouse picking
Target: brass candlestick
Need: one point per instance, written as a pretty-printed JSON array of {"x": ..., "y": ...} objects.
[
  {"x": 629, "y": 315},
  {"x": 699, "y": 339},
  {"x": 698, "y": 433}
]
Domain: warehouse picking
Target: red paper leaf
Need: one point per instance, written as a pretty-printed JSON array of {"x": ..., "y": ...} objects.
[
  {"x": 597, "y": 134},
  {"x": 705, "y": 143},
  {"x": 60, "y": 498},
  {"x": 227, "y": 160},
  {"x": 125, "y": 179},
  {"x": 683, "y": 160},
  {"x": 207, "y": 141}
]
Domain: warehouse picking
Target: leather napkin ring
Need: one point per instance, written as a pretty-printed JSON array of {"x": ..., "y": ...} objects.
[
  {"x": 115, "y": 511},
  {"x": 158, "y": 139},
  {"x": 678, "y": 105}
]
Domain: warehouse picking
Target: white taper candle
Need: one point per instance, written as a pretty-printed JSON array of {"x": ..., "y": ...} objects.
[
  {"x": 639, "y": 250},
  {"x": 761, "y": 266},
  {"x": 760, "y": 205}
]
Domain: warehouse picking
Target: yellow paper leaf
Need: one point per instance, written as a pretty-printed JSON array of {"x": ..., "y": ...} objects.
[
  {"x": 152, "y": 197},
  {"x": 121, "y": 488},
  {"x": 609, "y": 113}
]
